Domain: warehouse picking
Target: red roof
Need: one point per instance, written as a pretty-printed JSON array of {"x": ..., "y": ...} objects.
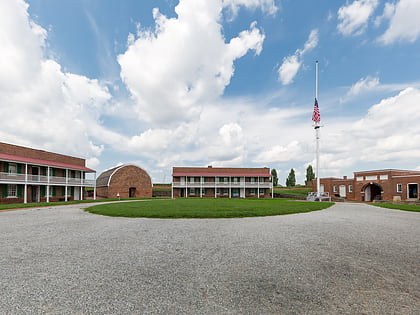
[
  {"x": 221, "y": 174},
  {"x": 23, "y": 159}
]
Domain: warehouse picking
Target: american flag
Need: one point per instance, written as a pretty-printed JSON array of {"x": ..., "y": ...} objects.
[{"x": 316, "y": 116}]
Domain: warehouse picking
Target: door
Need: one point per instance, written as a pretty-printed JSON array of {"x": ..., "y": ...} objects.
[
  {"x": 413, "y": 191},
  {"x": 35, "y": 194},
  {"x": 342, "y": 189},
  {"x": 132, "y": 192},
  {"x": 76, "y": 192}
]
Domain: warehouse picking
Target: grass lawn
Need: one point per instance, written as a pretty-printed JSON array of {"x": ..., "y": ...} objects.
[
  {"x": 299, "y": 191},
  {"x": 60, "y": 203},
  {"x": 207, "y": 208},
  {"x": 415, "y": 208}
]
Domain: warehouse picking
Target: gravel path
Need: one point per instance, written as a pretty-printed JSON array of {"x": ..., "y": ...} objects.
[{"x": 348, "y": 259}]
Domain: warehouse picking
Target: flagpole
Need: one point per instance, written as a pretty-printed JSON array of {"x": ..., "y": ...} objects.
[{"x": 318, "y": 180}]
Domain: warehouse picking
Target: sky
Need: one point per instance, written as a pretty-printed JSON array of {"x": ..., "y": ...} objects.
[{"x": 214, "y": 82}]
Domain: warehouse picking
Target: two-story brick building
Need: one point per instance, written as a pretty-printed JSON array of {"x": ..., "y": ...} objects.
[
  {"x": 221, "y": 182},
  {"x": 387, "y": 184},
  {"x": 30, "y": 175}
]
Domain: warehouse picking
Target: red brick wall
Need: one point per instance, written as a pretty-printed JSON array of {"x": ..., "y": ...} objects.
[
  {"x": 127, "y": 177},
  {"x": 40, "y": 154}
]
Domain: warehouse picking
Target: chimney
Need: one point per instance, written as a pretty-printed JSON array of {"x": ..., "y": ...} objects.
[
  {"x": 344, "y": 177},
  {"x": 210, "y": 166}
]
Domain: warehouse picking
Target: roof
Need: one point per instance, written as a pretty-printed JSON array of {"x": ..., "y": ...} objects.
[
  {"x": 221, "y": 171},
  {"x": 104, "y": 179},
  {"x": 387, "y": 170},
  {"x": 29, "y": 160}
]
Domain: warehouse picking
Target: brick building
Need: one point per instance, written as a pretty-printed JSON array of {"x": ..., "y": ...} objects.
[
  {"x": 126, "y": 181},
  {"x": 219, "y": 182},
  {"x": 30, "y": 175},
  {"x": 388, "y": 184}
]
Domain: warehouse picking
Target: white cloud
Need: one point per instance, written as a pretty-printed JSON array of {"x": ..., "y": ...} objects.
[
  {"x": 389, "y": 11},
  {"x": 293, "y": 151},
  {"x": 43, "y": 106},
  {"x": 364, "y": 85},
  {"x": 291, "y": 64},
  {"x": 169, "y": 88},
  {"x": 404, "y": 22},
  {"x": 354, "y": 17},
  {"x": 267, "y": 6}
]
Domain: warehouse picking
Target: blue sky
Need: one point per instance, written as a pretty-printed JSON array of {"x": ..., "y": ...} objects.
[{"x": 227, "y": 83}]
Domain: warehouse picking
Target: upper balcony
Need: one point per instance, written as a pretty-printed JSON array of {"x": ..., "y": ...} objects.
[{"x": 15, "y": 178}]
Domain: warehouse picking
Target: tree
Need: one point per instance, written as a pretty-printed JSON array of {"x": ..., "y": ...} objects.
[
  {"x": 275, "y": 178},
  {"x": 310, "y": 175},
  {"x": 291, "y": 179}
]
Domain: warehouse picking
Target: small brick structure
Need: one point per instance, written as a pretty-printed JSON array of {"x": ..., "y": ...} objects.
[
  {"x": 374, "y": 185},
  {"x": 126, "y": 181}
]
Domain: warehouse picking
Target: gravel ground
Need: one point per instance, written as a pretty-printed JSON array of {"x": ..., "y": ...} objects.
[{"x": 348, "y": 259}]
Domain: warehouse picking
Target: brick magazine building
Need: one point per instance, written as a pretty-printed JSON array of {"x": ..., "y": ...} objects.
[
  {"x": 388, "y": 184},
  {"x": 221, "y": 182},
  {"x": 30, "y": 175},
  {"x": 126, "y": 181}
]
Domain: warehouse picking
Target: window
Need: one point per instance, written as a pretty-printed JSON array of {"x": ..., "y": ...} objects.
[
  {"x": 262, "y": 191},
  {"x": 383, "y": 177},
  {"x": 359, "y": 178},
  {"x": 399, "y": 188},
  {"x": 350, "y": 188},
  {"x": 372, "y": 177},
  {"x": 192, "y": 191},
  {"x": 252, "y": 191},
  {"x": 12, "y": 169},
  {"x": 11, "y": 191},
  {"x": 334, "y": 188}
]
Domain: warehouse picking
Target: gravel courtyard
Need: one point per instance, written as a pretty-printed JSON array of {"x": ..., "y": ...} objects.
[{"x": 348, "y": 259}]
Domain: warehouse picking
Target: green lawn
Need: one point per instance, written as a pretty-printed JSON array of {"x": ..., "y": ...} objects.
[
  {"x": 207, "y": 208},
  {"x": 60, "y": 203},
  {"x": 301, "y": 191},
  {"x": 415, "y": 208}
]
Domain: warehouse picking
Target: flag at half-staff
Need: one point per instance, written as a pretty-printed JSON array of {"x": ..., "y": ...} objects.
[{"x": 316, "y": 116}]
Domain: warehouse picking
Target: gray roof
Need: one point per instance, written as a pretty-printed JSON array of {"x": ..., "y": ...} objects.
[{"x": 103, "y": 179}]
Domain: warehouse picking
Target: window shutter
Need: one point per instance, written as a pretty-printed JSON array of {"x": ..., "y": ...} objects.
[
  {"x": 6, "y": 167},
  {"x": 63, "y": 191},
  {"x": 19, "y": 191},
  {"x": 19, "y": 168},
  {"x": 72, "y": 191},
  {"x": 4, "y": 192},
  {"x": 43, "y": 191},
  {"x": 54, "y": 191},
  {"x": 44, "y": 171},
  {"x": 53, "y": 171}
]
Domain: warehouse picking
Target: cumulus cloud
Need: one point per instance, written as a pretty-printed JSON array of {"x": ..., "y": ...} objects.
[
  {"x": 267, "y": 6},
  {"x": 387, "y": 135},
  {"x": 404, "y": 25},
  {"x": 184, "y": 62},
  {"x": 354, "y": 17},
  {"x": 293, "y": 151},
  {"x": 291, "y": 64},
  {"x": 364, "y": 85},
  {"x": 45, "y": 106}
]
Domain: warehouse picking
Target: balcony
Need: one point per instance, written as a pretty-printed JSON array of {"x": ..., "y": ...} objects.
[
  {"x": 222, "y": 184},
  {"x": 7, "y": 178}
]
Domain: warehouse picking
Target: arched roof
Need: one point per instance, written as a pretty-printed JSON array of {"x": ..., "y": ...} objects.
[{"x": 105, "y": 178}]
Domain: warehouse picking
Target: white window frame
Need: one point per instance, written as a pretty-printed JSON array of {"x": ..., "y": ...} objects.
[
  {"x": 252, "y": 191},
  {"x": 399, "y": 188},
  {"x": 12, "y": 191},
  {"x": 14, "y": 166},
  {"x": 335, "y": 188},
  {"x": 350, "y": 188}
]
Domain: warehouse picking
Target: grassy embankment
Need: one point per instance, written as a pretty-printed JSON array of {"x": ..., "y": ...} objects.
[
  {"x": 415, "y": 208},
  {"x": 207, "y": 208}
]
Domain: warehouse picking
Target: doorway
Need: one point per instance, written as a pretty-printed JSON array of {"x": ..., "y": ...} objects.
[
  {"x": 413, "y": 191},
  {"x": 372, "y": 192},
  {"x": 132, "y": 192},
  {"x": 342, "y": 190},
  {"x": 35, "y": 195}
]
